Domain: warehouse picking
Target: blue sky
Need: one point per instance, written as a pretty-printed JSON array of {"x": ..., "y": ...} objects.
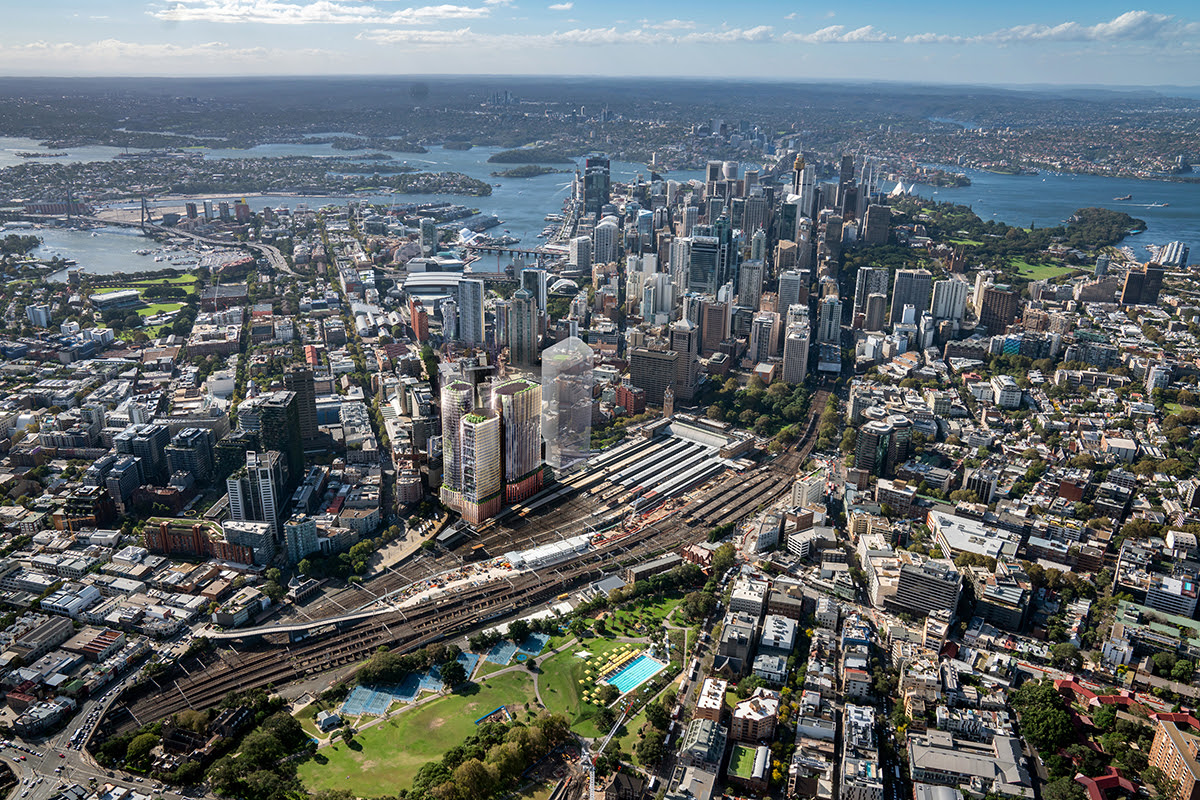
[{"x": 1016, "y": 41}]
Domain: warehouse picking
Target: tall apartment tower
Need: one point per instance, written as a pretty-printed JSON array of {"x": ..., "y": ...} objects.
[
  {"x": 519, "y": 403},
  {"x": 791, "y": 286},
  {"x": 567, "y": 399},
  {"x": 580, "y": 253},
  {"x": 147, "y": 442},
  {"x": 874, "y": 312},
  {"x": 482, "y": 492},
  {"x": 428, "y": 237},
  {"x": 523, "y": 329},
  {"x": 870, "y": 280},
  {"x": 829, "y": 324},
  {"x": 998, "y": 309},
  {"x": 913, "y": 288},
  {"x": 299, "y": 379},
  {"x": 257, "y": 493},
  {"x": 275, "y": 417},
  {"x": 470, "y": 311},
  {"x": 457, "y": 400}
]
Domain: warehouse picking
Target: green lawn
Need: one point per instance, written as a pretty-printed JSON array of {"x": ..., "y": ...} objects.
[
  {"x": 648, "y": 615},
  {"x": 158, "y": 308},
  {"x": 1175, "y": 408},
  {"x": 741, "y": 761},
  {"x": 973, "y": 242},
  {"x": 1039, "y": 272},
  {"x": 386, "y": 757},
  {"x": 560, "y": 684},
  {"x": 629, "y": 740}
]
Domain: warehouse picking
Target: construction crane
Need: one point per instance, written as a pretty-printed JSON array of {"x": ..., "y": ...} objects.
[{"x": 590, "y": 760}]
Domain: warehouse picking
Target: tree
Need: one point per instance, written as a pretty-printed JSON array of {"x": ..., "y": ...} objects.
[
  {"x": 651, "y": 749},
  {"x": 1065, "y": 655},
  {"x": 518, "y": 630},
  {"x": 453, "y": 673},
  {"x": 698, "y": 605},
  {"x": 1043, "y": 715},
  {"x": 1063, "y": 789},
  {"x": 138, "y": 753},
  {"x": 1182, "y": 671},
  {"x": 576, "y": 627},
  {"x": 657, "y": 716},
  {"x": 723, "y": 558}
]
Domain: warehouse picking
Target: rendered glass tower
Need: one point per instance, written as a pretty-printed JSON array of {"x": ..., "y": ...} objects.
[{"x": 567, "y": 398}]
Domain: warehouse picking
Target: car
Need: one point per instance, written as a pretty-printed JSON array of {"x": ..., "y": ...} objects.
[{"x": 62, "y": 755}]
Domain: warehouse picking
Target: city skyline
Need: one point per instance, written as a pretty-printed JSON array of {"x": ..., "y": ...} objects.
[{"x": 1064, "y": 43}]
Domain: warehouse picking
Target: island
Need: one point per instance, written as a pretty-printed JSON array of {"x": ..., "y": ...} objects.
[
  {"x": 528, "y": 171},
  {"x": 530, "y": 155}
]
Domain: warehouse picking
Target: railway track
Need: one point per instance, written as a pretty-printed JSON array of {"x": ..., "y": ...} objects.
[{"x": 262, "y": 664}]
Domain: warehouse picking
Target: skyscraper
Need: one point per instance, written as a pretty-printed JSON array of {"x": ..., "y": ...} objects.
[
  {"x": 791, "y": 285},
  {"x": 428, "y": 237},
  {"x": 870, "y": 280},
  {"x": 913, "y": 287},
  {"x": 147, "y": 442},
  {"x": 758, "y": 245},
  {"x": 470, "y": 311},
  {"x": 949, "y": 300},
  {"x": 580, "y": 253},
  {"x": 596, "y": 185},
  {"x": 299, "y": 379},
  {"x": 685, "y": 340},
  {"x": 482, "y": 465},
  {"x": 998, "y": 309},
  {"x": 875, "y": 226},
  {"x": 192, "y": 451},
  {"x": 795, "y": 354},
  {"x": 535, "y": 281},
  {"x": 567, "y": 398},
  {"x": 606, "y": 241},
  {"x": 829, "y": 324},
  {"x": 704, "y": 265},
  {"x": 275, "y": 417},
  {"x": 874, "y": 312},
  {"x": 763, "y": 333},
  {"x": 458, "y": 398},
  {"x": 523, "y": 329},
  {"x": 714, "y": 325},
  {"x": 519, "y": 403},
  {"x": 750, "y": 282},
  {"x": 257, "y": 492}
]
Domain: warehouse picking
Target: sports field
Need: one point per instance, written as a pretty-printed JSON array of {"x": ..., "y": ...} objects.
[{"x": 386, "y": 757}]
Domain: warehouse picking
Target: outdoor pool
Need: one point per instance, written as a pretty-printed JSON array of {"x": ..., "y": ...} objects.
[{"x": 637, "y": 672}]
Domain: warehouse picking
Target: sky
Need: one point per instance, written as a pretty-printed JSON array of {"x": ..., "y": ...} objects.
[{"x": 1009, "y": 42}]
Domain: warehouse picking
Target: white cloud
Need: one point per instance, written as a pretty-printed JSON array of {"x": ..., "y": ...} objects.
[
  {"x": 1132, "y": 26},
  {"x": 838, "y": 34},
  {"x": 115, "y": 50},
  {"x": 561, "y": 7},
  {"x": 756, "y": 35},
  {"x": 280, "y": 12}
]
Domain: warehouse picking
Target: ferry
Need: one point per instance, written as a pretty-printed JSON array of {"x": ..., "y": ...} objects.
[{"x": 1123, "y": 197}]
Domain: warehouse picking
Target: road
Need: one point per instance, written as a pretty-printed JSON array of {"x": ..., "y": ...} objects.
[{"x": 270, "y": 252}]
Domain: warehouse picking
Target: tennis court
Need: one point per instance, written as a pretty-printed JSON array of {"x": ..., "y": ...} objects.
[
  {"x": 363, "y": 700},
  {"x": 376, "y": 700},
  {"x": 534, "y": 644},
  {"x": 501, "y": 652}
]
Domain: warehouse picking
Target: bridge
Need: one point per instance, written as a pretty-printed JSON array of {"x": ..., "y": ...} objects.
[
  {"x": 541, "y": 254},
  {"x": 301, "y": 627}
]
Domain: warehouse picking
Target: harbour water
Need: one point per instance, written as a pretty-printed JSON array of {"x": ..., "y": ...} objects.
[{"x": 522, "y": 203}]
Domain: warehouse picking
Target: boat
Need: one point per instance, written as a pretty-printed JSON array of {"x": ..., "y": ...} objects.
[
  {"x": 1123, "y": 197},
  {"x": 1158, "y": 205}
]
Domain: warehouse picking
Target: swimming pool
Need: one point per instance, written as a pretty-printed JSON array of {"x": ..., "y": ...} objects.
[{"x": 637, "y": 672}]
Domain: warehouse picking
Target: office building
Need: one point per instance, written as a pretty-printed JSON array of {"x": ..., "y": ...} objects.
[
  {"x": 913, "y": 288},
  {"x": 535, "y": 282},
  {"x": 793, "y": 288},
  {"x": 704, "y": 265},
  {"x": 299, "y": 379},
  {"x": 471, "y": 293},
  {"x": 795, "y": 354},
  {"x": 191, "y": 451},
  {"x": 882, "y": 445},
  {"x": 869, "y": 281},
  {"x": 148, "y": 443},
  {"x": 652, "y": 371},
  {"x": 606, "y": 241},
  {"x": 519, "y": 403},
  {"x": 949, "y": 300},
  {"x": 750, "y": 283},
  {"x": 873, "y": 316},
  {"x": 567, "y": 395},
  {"x": 523, "y": 329},
  {"x": 763, "y": 336},
  {"x": 275, "y": 418},
  {"x": 926, "y": 585},
  {"x": 596, "y": 185},
  {"x": 876, "y": 223},
  {"x": 428, "y": 237},
  {"x": 257, "y": 492},
  {"x": 685, "y": 340}
]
